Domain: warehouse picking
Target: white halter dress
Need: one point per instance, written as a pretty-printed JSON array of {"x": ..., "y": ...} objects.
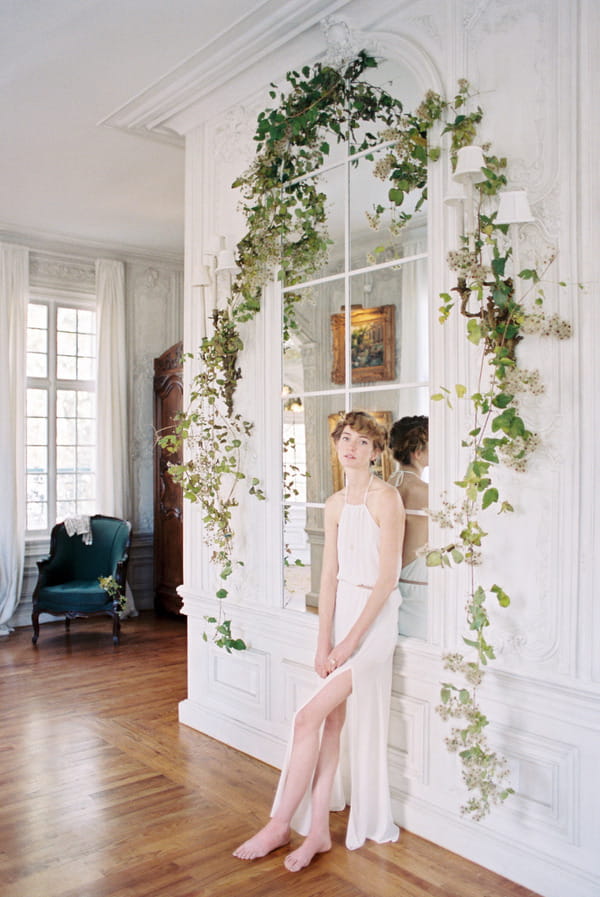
[{"x": 362, "y": 776}]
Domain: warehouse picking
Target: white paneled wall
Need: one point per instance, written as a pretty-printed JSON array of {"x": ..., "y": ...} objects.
[{"x": 535, "y": 65}]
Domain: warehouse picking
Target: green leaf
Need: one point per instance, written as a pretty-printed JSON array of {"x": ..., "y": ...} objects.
[
  {"x": 474, "y": 332},
  {"x": 503, "y": 598},
  {"x": 222, "y": 593},
  {"x": 489, "y": 497},
  {"x": 433, "y": 558},
  {"x": 460, "y": 390}
]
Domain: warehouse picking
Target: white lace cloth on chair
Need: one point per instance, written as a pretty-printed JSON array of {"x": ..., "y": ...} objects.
[{"x": 80, "y": 526}]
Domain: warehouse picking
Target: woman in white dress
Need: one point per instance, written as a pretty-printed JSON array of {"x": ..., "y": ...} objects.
[
  {"x": 409, "y": 442},
  {"x": 358, "y": 607}
]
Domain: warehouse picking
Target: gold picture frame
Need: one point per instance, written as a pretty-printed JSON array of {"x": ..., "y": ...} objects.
[
  {"x": 373, "y": 344},
  {"x": 384, "y": 465}
]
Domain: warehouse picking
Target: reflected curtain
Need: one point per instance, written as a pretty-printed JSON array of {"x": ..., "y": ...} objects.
[
  {"x": 14, "y": 292},
  {"x": 112, "y": 442}
]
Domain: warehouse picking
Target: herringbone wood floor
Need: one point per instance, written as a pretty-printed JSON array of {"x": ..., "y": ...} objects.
[{"x": 104, "y": 794}]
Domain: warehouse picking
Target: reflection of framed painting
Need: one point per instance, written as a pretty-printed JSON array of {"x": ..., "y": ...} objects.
[
  {"x": 384, "y": 465},
  {"x": 372, "y": 348}
]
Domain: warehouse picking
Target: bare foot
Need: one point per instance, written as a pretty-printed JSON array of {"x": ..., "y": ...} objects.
[
  {"x": 275, "y": 834},
  {"x": 303, "y": 856}
]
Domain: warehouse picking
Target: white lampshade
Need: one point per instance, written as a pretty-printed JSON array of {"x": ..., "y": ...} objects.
[
  {"x": 514, "y": 208},
  {"x": 469, "y": 162},
  {"x": 200, "y": 276},
  {"x": 226, "y": 260},
  {"x": 214, "y": 244},
  {"x": 456, "y": 195}
]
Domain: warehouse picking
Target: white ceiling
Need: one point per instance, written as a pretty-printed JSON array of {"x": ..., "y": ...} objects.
[{"x": 65, "y": 66}]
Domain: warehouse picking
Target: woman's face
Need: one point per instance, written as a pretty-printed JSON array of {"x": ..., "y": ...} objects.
[{"x": 355, "y": 450}]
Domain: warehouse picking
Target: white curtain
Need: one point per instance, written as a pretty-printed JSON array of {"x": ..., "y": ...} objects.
[
  {"x": 14, "y": 291},
  {"x": 112, "y": 443}
]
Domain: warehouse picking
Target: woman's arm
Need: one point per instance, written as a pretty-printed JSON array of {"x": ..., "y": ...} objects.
[
  {"x": 328, "y": 585},
  {"x": 389, "y": 512}
]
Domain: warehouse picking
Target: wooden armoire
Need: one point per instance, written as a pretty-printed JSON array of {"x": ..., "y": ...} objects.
[{"x": 168, "y": 500}]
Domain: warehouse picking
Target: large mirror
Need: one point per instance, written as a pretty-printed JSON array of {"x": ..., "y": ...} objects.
[{"x": 361, "y": 342}]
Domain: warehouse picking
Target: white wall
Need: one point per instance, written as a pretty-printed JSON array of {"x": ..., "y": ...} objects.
[{"x": 534, "y": 64}]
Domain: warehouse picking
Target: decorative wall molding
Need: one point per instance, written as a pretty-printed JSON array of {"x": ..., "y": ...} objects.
[{"x": 543, "y": 689}]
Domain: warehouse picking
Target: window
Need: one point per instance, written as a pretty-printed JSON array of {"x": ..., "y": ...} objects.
[{"x": 60, "y": 412}]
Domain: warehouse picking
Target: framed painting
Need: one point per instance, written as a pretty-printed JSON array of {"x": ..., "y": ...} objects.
[
  {"x": 385, "y": 463},
  {"x": 372, "y": 344}
]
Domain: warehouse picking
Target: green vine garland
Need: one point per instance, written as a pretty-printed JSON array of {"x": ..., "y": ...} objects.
[{"x": 287, "y": 235}]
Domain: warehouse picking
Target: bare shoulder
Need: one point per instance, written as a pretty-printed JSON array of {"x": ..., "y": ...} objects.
[
  {"x": 334, "y": 505},
  {"x": 386, "y": 498}
]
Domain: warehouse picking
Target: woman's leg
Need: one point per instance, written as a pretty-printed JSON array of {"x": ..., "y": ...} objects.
[
  {"x": 319, "y": 837},
  {"x": 303, "y": 761}
]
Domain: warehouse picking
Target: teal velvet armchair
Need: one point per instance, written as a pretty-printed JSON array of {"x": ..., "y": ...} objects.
[{"x": 68, "y": 578}]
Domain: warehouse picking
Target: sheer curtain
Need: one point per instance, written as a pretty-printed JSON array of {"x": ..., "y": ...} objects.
[
  {"x": 112, "y": 443},
  {"x": 14, "y": 291}
]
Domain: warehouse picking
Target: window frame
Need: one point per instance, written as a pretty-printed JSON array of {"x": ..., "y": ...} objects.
[{"x": 53, "y": 299}]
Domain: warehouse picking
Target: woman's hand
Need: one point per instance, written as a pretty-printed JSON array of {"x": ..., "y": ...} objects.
[
  {"x": 339, "y": 655},
  {"x": 321, "y": 664}
]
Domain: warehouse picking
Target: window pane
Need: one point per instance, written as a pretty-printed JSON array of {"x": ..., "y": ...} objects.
[
  {"x": 37, "y": 516},
  {"x": 65, "y": 458},
  {"x": 37, "y": 340},
  {"x": 86, "y": 486},
  {"x": 86, "y": 459},
  {"x": 65, "y": 486},
  {"x": 378, "y": 230},
  {"x": 86, "y": 404},
  {"x": 37, "y": 315},
  {"x": 308, "y": 353},
  {"x": 37, "y": 403},
  {"x": 86, "y": 345},
  {"x": 66, "y": 319},
  {"x": 66, "y": 367},
  {"x": 66, "y": 402},
  {"x": 86, "y": 434},
  {"x": 37, "y": 459},
  {"x": 37, "y": 487},
  {"x": 65, "y": 509},
  {"x": 37, "y": 431},
  {"x": 66, "y": 431},
  {"x": 86, "y": 368},
  {"x": 66, "y": 343},
  {"x": 86, "y": 321},
  {"x": 37, "y": 365}
]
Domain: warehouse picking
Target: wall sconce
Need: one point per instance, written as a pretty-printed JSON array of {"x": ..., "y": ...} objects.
[
  {"x": 469, "y": 162},
  {"x": 200, "y": 276},
  {"x": 514, "y": 208},
  {"x": 215, "y": 275},
  {"x": 468, "y": 171}
]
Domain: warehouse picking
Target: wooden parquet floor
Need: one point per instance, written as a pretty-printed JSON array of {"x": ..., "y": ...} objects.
[{"x": 104, "y": 794}]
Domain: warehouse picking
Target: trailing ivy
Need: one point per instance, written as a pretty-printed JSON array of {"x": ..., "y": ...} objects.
[{"x": 287, "y": 237}]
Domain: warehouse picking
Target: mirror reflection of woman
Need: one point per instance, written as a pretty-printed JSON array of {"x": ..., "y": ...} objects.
[
  {"x": 409, "y": 443},
  {"x": 358, "y": 607}
]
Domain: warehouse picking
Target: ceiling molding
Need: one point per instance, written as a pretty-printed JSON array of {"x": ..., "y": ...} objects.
[
  {"x": 159, "y": 111},
  {"x": 76, "y": 247}
]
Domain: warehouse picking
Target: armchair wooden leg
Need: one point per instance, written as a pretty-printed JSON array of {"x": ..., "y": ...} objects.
[
  {"x": 116, "y": 628},
  {"x": 35, "y": 622}
]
